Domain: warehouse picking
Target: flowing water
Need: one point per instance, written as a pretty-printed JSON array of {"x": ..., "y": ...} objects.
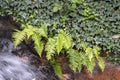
[{"x": 12, "y": 68}]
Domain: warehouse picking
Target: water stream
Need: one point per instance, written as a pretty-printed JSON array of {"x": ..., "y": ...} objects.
[{"x": 11, "y": 66}]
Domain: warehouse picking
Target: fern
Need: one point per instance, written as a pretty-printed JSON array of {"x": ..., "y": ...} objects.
[
  {"x": 92, "y": 54},
  {"x": 44, "y": 27},
  {"x": 85, "y": 56},
  {"x": 30, "y": 32},
  {"x": 63, "y": 41},
  {"x": 67, "y": 40},
  {"x": 38, "y": 45},
  {"x": 18, "y": 37},
  {"x": 75, "y": 60},
  {"x": 90, "y": 64},
  {"x": 59, "y": 43},
  {"x": 50, "y": 48},
  {"x": 57, "y": 68},
  {"x": 101, "y": 63}
]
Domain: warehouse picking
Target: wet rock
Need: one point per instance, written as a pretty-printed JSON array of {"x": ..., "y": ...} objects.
[
  {"x": 6, "y": 45},
  {"x": 7, "y": 23},
  {"x": 7, "y": 26},
  {"x": 111, "y": 72}
]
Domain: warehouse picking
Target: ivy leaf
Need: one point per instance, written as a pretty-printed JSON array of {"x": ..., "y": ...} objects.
[
  {"x": 73, "y": 6},
  {"x": 57, "y": 7}
]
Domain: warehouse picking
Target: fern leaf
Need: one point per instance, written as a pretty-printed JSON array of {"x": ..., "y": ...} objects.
[
  {"x": 59, "y": 43},
  {"x": 68, "y": 42},
  {"x": 42, "y": 31},
  {"x": 75, "y": 60},
  {"x": 96, "y": 51},
  {"x": 50, "y": 48},
  {"x": 57, "y": 68},
  {"x": 90, "y": 64},
  {"x": 101, "y": 63},
  {"x": 18, "y": 37},
  {"x": 38, "y": 45},
  {"x": 89, "y": 53},
  {"x": 44, "y": 27},
  {"x": 67, "y": 39}
]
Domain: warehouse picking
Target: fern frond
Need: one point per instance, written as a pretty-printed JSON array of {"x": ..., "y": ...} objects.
[
  {"x": 28, "y": 32},
  {"x": 67, "y": 39},
  {"x": 89, "y": 64},
  {"x": 96, "y": 51},
  {"x": 50, "y": 48},
  {"x": 44, "y": 27},
  {"x": 38, "y": 45},
  {"x": 59, "y": 43},
  {"x": 41, "y": 32},
  {"x": 18, "y": 37},
  {"x": 101, "y": 63},
  {"x": 63, "y": 41},
  {"x": 75, "y": 60},
  {"x": 57, "y": 68}
]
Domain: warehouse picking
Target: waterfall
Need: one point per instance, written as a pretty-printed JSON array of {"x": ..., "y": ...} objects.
[{"x": 12, "y": 68}]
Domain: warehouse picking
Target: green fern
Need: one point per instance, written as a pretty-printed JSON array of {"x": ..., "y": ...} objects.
[
  {"x": 59, "y": 43},
  {"x": 30, "y": 32},
  {"x": 101, "y": 63},
  {"x": 75, "y": 60},
  {"x": 50, "y": 48},
  {"x": 92, "y": 54},
  {"x": 66, "y": 40},
  {"x": 90, "y": 64},
  {"x": 87, "y": 56},
  {"x": 38, "y": 45},
  {"x": 57, "y": 68},
  {"x": 63, "y": 41},
  {"x": 18, "y": 37},
  {"x": 44, "y": 29}
]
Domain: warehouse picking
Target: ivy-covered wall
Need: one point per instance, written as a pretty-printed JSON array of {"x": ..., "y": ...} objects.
[{"x": 92, "y": 21}]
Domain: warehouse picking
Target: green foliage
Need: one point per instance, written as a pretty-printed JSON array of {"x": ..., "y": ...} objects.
[
  {"x": 63, "y": 40},
  {"x": 30, "y": 32},
  {"x": 57, "y": 7},
  {"x": 75, "y": 59},
  {"x": 53, "y": 46},
  {"x": 91, "y": 21},
  {"x": 50, "y": 48},
  {"x": 86, "y": 56},
  {"x": 57, "y": 44},
  {"x": 56, "y": 67}
]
